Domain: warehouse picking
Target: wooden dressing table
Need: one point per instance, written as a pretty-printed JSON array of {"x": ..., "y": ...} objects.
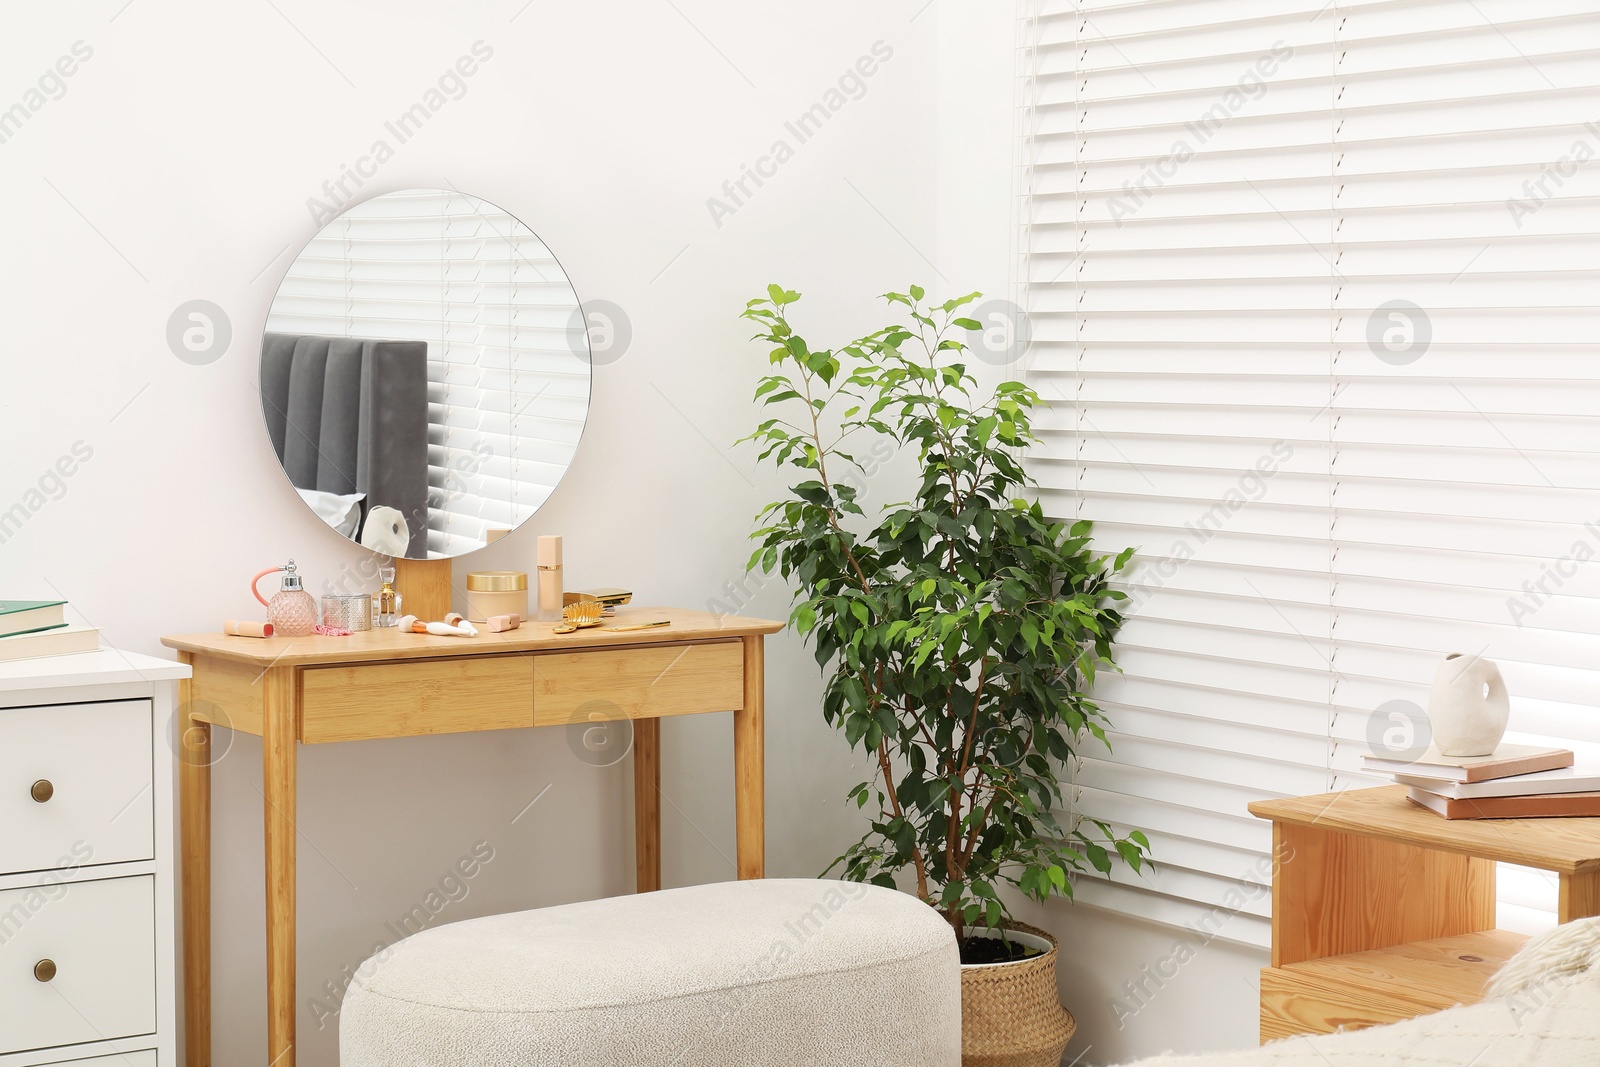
[{"x": 382, "y": 683}]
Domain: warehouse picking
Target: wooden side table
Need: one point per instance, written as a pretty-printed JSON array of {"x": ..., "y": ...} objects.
[
  {"x": 382, "y": 683},
  {"x": 1382, "y": 911}
]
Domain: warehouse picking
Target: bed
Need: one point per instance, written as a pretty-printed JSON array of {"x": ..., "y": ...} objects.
[{"x": 349, "y": 415}]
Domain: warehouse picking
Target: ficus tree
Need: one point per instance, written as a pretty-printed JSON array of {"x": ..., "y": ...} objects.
[{"x": 958, "y": 631}]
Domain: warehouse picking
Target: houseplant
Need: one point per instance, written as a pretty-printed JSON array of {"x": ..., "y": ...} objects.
[{"x": 957, "y": 631}]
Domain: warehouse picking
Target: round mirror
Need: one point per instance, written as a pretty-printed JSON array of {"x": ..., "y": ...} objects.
[{"x": 425, "y": 373}]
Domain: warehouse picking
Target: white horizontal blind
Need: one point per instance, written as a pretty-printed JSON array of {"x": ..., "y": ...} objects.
[
  {"x": 1309, "y": 340},
  {"x": 508, "y": 376},
  {"x": 1467, "y": 467}
]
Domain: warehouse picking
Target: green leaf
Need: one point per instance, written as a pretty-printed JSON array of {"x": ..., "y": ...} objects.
[{"x": 1030, "y": 634}]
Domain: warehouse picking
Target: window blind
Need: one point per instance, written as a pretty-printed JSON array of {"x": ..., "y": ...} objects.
[
  {"x": 507, "y": 395},
  {"x": 1312, "y": 292}
]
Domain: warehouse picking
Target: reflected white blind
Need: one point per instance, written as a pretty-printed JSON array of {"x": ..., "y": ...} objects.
[
  {"x": 1314, "y": 291},
  {"x": 507, "y": 394}
]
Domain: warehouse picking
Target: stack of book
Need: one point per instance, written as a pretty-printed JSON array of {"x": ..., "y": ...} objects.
[
  {"x": 1516, "y": 782},
  {"x": 31, "y": 628}
]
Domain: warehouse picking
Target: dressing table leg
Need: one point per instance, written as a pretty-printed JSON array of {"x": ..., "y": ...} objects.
[
  {"x": 194, "y": 795},
  {"x": 749, "y": 765},
  {"x": 278, "y": 794},
  {"x": 647, "y": 804}
]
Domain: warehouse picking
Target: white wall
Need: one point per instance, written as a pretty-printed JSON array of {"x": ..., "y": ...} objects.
[{"x": 177, "y": 165}]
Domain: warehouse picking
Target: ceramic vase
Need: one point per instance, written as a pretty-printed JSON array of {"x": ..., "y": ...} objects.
[{"x": 1469, "y": 707}]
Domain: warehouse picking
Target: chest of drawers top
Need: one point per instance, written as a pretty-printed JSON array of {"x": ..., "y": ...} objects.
[{"x": 106, "y": 667}]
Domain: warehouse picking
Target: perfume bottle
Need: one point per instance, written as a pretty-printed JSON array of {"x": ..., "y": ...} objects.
[
  {"x": 551, "y": 588},
  {"x": 386, "y": 605},
  {"x": 292, "y": 611}
]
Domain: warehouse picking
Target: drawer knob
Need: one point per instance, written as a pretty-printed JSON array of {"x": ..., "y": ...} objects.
[
  {"x": 44, "y": 970},
  {"x": 42, "y": 790}
]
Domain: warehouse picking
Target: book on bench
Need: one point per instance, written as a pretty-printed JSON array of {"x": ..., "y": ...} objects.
[
  {"x": 1506, "y": 761},
  {"x": 1537, "y": 806},
  {"x": 1561, "y": 780}
]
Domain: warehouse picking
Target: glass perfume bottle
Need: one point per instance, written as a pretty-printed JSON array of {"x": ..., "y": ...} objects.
[
  {"x": 386, "y": 605},
  {"x": 292, "y": 611}
]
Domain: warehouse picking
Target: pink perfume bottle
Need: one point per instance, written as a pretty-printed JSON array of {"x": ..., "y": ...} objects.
[{"x": 292, "y": 611}]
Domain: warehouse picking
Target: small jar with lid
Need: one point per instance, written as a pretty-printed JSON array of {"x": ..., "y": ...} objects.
[{"x": 491, "y": 593}]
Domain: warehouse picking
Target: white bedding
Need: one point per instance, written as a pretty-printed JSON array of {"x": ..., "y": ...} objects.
[{"x": 343, "y": 513}]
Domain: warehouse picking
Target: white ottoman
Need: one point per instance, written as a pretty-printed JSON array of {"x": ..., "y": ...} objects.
[{"x": 783, "y": 971}]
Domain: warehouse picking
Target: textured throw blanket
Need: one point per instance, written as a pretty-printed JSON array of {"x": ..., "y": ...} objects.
[{"x": 1541, "y": 1010}]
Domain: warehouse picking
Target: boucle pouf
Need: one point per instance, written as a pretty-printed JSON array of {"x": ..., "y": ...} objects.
[
  {"x": 782, "y": 971},
  {"x": 1542, "y": 1009}
]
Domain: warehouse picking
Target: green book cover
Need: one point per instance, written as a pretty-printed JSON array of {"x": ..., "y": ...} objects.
[{"x": 11, "y": 607}]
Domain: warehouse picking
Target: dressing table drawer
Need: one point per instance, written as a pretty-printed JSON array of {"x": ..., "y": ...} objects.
[
  {"x": 637, "y": 683},
  {"x": 413, "y": 698},
  {"x": 75, "y": 785},
  {"x": 78, "y": 963}
]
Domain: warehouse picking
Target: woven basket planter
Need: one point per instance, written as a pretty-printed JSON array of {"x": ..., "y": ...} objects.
[{"x": 1011, "y": 1014}]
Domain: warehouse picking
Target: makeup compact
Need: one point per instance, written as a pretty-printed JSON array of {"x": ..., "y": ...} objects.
[{"x": 611, "y": 598}]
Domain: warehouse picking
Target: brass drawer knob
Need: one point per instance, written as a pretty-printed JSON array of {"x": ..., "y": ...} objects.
[
  {"x": 44, "y": 970},
  {"x": 42, "y": 790}
]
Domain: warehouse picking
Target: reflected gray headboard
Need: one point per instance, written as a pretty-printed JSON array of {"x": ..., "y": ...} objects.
[{"x": 348, "y": 415}]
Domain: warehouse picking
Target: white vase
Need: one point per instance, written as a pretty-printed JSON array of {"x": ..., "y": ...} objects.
[{"x": 1469, "y": 707}]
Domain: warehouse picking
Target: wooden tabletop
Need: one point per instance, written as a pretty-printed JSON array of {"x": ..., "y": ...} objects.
[
  {"x": 1570, "y": 846},
  {"x": 391, "y": 644}
]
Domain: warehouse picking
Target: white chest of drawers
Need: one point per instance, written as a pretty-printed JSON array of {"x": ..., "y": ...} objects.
[{"x": 87, "y": 914}]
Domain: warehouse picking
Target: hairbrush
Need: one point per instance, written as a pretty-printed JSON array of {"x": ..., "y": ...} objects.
[{"x": 583, "y": 614}]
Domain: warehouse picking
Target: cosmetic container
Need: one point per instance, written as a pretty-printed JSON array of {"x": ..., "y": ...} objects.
[
  {"x": 491, "y": 593},
  {"x": 550, "y": 579}
]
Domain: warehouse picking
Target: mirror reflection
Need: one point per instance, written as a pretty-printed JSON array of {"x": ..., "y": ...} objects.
[{"x": 425, "y": 373}]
